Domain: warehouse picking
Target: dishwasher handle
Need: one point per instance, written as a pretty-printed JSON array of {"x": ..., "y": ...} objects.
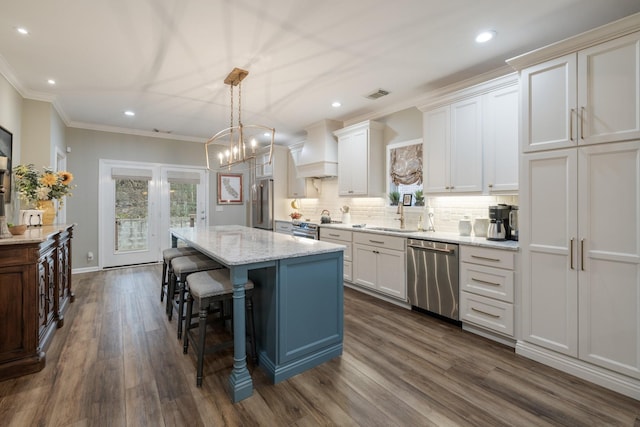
[{"x": 443, "y": 251}]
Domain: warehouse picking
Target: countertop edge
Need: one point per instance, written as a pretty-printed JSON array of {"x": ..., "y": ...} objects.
[
  {"x": 37, "y": 234},
  {"x": 509, "y": 245}
]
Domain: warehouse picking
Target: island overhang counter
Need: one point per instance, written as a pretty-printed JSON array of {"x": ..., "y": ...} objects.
[{"x": 298, "y": 297}]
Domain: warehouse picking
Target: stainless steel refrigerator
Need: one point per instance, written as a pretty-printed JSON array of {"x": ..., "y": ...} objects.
[{"x": 262, "y": 204}]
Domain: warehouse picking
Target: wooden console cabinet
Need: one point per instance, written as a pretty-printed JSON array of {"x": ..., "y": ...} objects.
[{"x": 35, "y": 290}]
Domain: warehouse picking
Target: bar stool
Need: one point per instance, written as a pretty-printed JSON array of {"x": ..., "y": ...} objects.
[
  {"x": 182, "y": 267},
  {"x": 206, "y": 288},
  {"x": 167, "y": 256}
]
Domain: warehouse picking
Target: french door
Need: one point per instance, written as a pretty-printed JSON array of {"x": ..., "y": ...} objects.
[{"x": 139, "y": 202}]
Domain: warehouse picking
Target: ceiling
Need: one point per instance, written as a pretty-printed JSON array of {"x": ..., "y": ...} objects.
[{"x": 167, "y": 59}]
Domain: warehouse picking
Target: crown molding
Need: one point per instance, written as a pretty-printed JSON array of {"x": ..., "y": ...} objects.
[
  {"x": 128, "y": 131},
  {"x": 613, "y": 30}
]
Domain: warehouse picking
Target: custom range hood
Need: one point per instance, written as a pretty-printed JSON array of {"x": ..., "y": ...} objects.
[{"x": 319, "y": 155}]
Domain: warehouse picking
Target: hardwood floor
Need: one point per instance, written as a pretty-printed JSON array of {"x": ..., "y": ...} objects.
[{"x": 117, "y": 362}]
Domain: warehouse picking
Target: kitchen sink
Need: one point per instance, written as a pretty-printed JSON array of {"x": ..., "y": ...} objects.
[{"x": 395, "y": 230}]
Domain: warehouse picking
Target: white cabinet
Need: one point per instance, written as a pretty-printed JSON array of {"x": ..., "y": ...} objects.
[
  {"x": 264, "y": 168},
  {"x": 588, "y": 97},
  {"x": 298, "y": 188},
  {"x": 361, "y": 160},
  {"x": 284, "y": 227},
  {"x": 453, "y": 147},
  {"x": 278, "y": 172},
  {"x": 471, "y": 139},
  {"x": 581, "y": 259},
  {"x": 500, "y": 140},
  {"x": 580, "y": 205},
  {"x": 341, "y": 237},
  {"x": 379, "y": 263},
  {"x": 487, "y": 289}
]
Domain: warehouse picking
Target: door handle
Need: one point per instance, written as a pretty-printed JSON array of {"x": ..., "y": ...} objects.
[
  {"x": 571, "y": 124},
  {"x": 571, "y": 254}
]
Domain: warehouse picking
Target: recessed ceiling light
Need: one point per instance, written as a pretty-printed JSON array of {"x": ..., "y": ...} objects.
[
  {"x": 336, "y": 104},
  {"x": 22, "y": 30},
  {"x": 485, "y": 36},
  {"x": 51, "y": 82},
  {"x": 129, "y": 113}
]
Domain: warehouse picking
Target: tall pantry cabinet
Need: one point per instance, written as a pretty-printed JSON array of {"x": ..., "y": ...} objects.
[{"x": 580, "y": 205}]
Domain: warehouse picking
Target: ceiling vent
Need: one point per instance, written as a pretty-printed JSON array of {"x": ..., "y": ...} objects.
[{"x": 377, "y": 94}]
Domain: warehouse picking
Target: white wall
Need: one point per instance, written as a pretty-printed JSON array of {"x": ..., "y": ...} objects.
[
  {"x": 89, "y": 146},
  {"x": 11, "y": 119}
]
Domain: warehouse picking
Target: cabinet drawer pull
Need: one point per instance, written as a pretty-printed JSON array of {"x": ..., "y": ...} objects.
[
  {"x": 495, "y": 316},
  {"x": 334, "y": 235},
  {"x": 485, "y": 258},
  {"x": 377, "y": 242},
  {"x": 485, "y": 282}
]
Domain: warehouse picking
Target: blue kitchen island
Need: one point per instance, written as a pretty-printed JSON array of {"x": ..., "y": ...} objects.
[{"x": 298, "y": 298}]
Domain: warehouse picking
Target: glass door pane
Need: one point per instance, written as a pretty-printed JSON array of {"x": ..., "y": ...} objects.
[
  {"x": 131, "y": 215},
  {"x": 183, "y": 204}
]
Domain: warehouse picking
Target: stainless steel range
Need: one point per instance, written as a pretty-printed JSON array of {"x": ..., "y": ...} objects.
[{"x": 307, "y": 230}]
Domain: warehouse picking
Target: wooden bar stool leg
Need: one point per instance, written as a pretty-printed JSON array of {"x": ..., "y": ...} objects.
[
  {"x": 181, "y": 292},
  {"x": 202, "y": 325},
  {"x": 170, "y": 295},
  {"x": 164, "y": 280},
  {"x": 187, "y": 324}
]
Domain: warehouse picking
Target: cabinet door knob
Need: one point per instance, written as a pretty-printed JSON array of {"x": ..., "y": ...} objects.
[{"x": 490, "y": 186}]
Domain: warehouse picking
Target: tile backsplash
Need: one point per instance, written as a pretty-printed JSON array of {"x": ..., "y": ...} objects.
[{"x": 447, "y": 210}]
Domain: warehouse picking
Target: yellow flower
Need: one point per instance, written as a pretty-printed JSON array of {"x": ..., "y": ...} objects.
[
  {"x": 66, "y": 177},
  {"x": 48, "y": 179}
]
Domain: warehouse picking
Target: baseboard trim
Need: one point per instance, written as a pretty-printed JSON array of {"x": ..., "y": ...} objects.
[
  {"x": 85, "y": 270},
  {"x": 603, "y": 377}
]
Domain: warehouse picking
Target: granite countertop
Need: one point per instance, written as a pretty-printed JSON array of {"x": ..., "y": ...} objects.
[
  {"x": 432, "y": 235},
  {"x": 36, "y": 234},
  {"x": 238, "y": 245}
]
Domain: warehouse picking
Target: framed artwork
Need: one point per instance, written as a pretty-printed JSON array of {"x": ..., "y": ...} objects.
[
  {"x": 406, "y": 199},
  {"x": 229, "y": 188},
  {"x": 6, "y": 145}
]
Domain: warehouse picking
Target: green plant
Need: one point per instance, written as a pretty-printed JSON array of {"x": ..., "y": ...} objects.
[
  {"x": 34, "y": 185},
  {"x": 394, "y": 198},
  {"x": 419, "y": 198}
]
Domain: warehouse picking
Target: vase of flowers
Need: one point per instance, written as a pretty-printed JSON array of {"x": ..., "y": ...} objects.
[{"x": 39, "y": 188}]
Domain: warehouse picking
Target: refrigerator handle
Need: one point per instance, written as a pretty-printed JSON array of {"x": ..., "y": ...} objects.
[{"x": 260, "y": 205}]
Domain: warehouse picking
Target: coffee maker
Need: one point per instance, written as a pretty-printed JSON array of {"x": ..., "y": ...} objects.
[{"x": 499, "y": 228}]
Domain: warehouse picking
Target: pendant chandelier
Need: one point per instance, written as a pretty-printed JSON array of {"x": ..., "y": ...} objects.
[{"x": 241, "y": 140}]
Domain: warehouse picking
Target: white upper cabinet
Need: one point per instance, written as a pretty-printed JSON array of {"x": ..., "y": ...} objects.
[
  {"x": 453, "y": 147},
  {"x": 466, "y": 145},
  {"x": 471, "y": 139},
  {"x": 500, "y": 127},
  {"x": 587, "y": 97},
  {"x": 361, "y": 160}
]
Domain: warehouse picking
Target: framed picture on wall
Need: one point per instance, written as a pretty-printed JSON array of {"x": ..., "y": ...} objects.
[
  {"x": 229, "y": 188},
  {"x": 406, "y": 199},
  {"x": 6, "y": 145}
]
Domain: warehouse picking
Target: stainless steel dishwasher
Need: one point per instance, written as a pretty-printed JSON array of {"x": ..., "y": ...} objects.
[{"x": 432, "y": 277}]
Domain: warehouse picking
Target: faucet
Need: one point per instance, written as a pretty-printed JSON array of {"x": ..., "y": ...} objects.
[{"x": 401, "y": 213}]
